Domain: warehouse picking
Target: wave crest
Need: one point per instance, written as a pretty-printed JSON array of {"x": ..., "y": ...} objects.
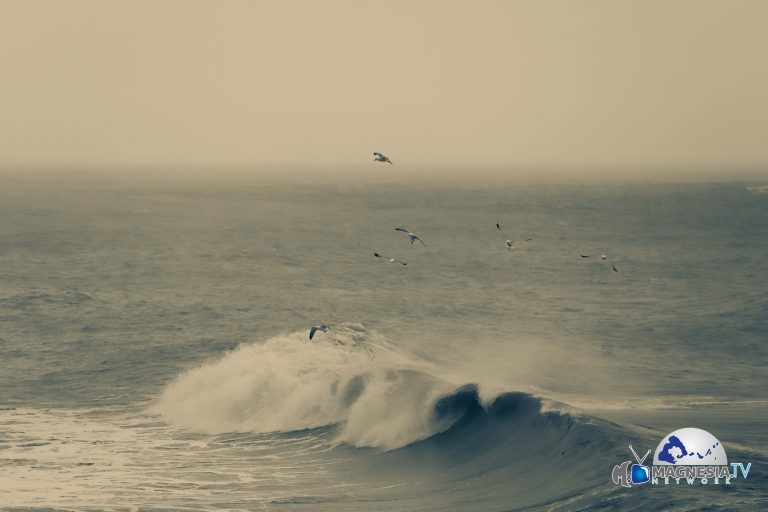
[{"x": 352, "y": 378}]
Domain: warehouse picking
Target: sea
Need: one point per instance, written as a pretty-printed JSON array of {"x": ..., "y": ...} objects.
[{"x": 154, "y": 348}]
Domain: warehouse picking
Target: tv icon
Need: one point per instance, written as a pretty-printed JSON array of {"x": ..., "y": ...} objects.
[
  {"x": 627, "y": 474},
  {"x": 639, "y": 474}
]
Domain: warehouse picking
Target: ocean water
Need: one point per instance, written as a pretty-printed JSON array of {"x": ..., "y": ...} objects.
[{"x": 154, "y": 351}]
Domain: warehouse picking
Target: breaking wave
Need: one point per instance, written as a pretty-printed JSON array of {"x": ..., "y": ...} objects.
[{"x": 350, "y": 378}]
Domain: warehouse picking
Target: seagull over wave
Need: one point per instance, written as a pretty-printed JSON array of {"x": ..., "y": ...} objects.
[{"x": 315, "y": 328}]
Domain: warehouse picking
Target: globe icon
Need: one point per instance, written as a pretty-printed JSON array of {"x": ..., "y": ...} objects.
[{"x": 690, "y": 447}]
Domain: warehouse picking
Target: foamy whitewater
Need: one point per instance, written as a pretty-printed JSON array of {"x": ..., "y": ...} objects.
[
  {"x": 286, "y": 384},
  {"x": 154, "y": 350}
]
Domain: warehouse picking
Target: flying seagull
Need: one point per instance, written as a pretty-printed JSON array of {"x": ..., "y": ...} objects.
[
  {"x": 391, "y": 260},
  {"x": 411, "y": 236},
  {"x": 381, "y": 158},
  {"x": 510, "y": 243},
  {"x": 315, "y": 328},
  {"x": 603, "y": 257}
]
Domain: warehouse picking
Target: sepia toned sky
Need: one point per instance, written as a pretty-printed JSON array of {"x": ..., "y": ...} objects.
[{"x": 569, "y": 86}]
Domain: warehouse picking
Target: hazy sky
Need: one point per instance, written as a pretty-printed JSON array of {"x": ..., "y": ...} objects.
[{"x": 569, "y": 85}]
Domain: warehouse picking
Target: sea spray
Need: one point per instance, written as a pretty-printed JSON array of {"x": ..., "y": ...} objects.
[{"x": 351, "y": 378}]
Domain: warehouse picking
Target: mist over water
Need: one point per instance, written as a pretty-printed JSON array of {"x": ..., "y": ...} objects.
[{"x": 152, "y": 329}]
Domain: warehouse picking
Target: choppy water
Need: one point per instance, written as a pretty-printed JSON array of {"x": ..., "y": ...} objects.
[{"x": 153, "y": 348}]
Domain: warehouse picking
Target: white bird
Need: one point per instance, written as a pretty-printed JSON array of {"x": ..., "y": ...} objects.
[
  {"x": 411, "y": 236},
  {"x": 510, "y": 243},
  {"x": 315, "y": 328},
  {"x": 603, "y": 257},
  {"x": 381, "y": 158},
  {"x": 391, "y": 260}
]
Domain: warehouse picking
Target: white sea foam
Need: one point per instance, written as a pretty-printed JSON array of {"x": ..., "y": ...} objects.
[{"x": 349, "y": 377}]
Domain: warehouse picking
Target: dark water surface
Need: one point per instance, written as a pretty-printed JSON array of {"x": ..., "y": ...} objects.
[{"x": 153, "y": 347}]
